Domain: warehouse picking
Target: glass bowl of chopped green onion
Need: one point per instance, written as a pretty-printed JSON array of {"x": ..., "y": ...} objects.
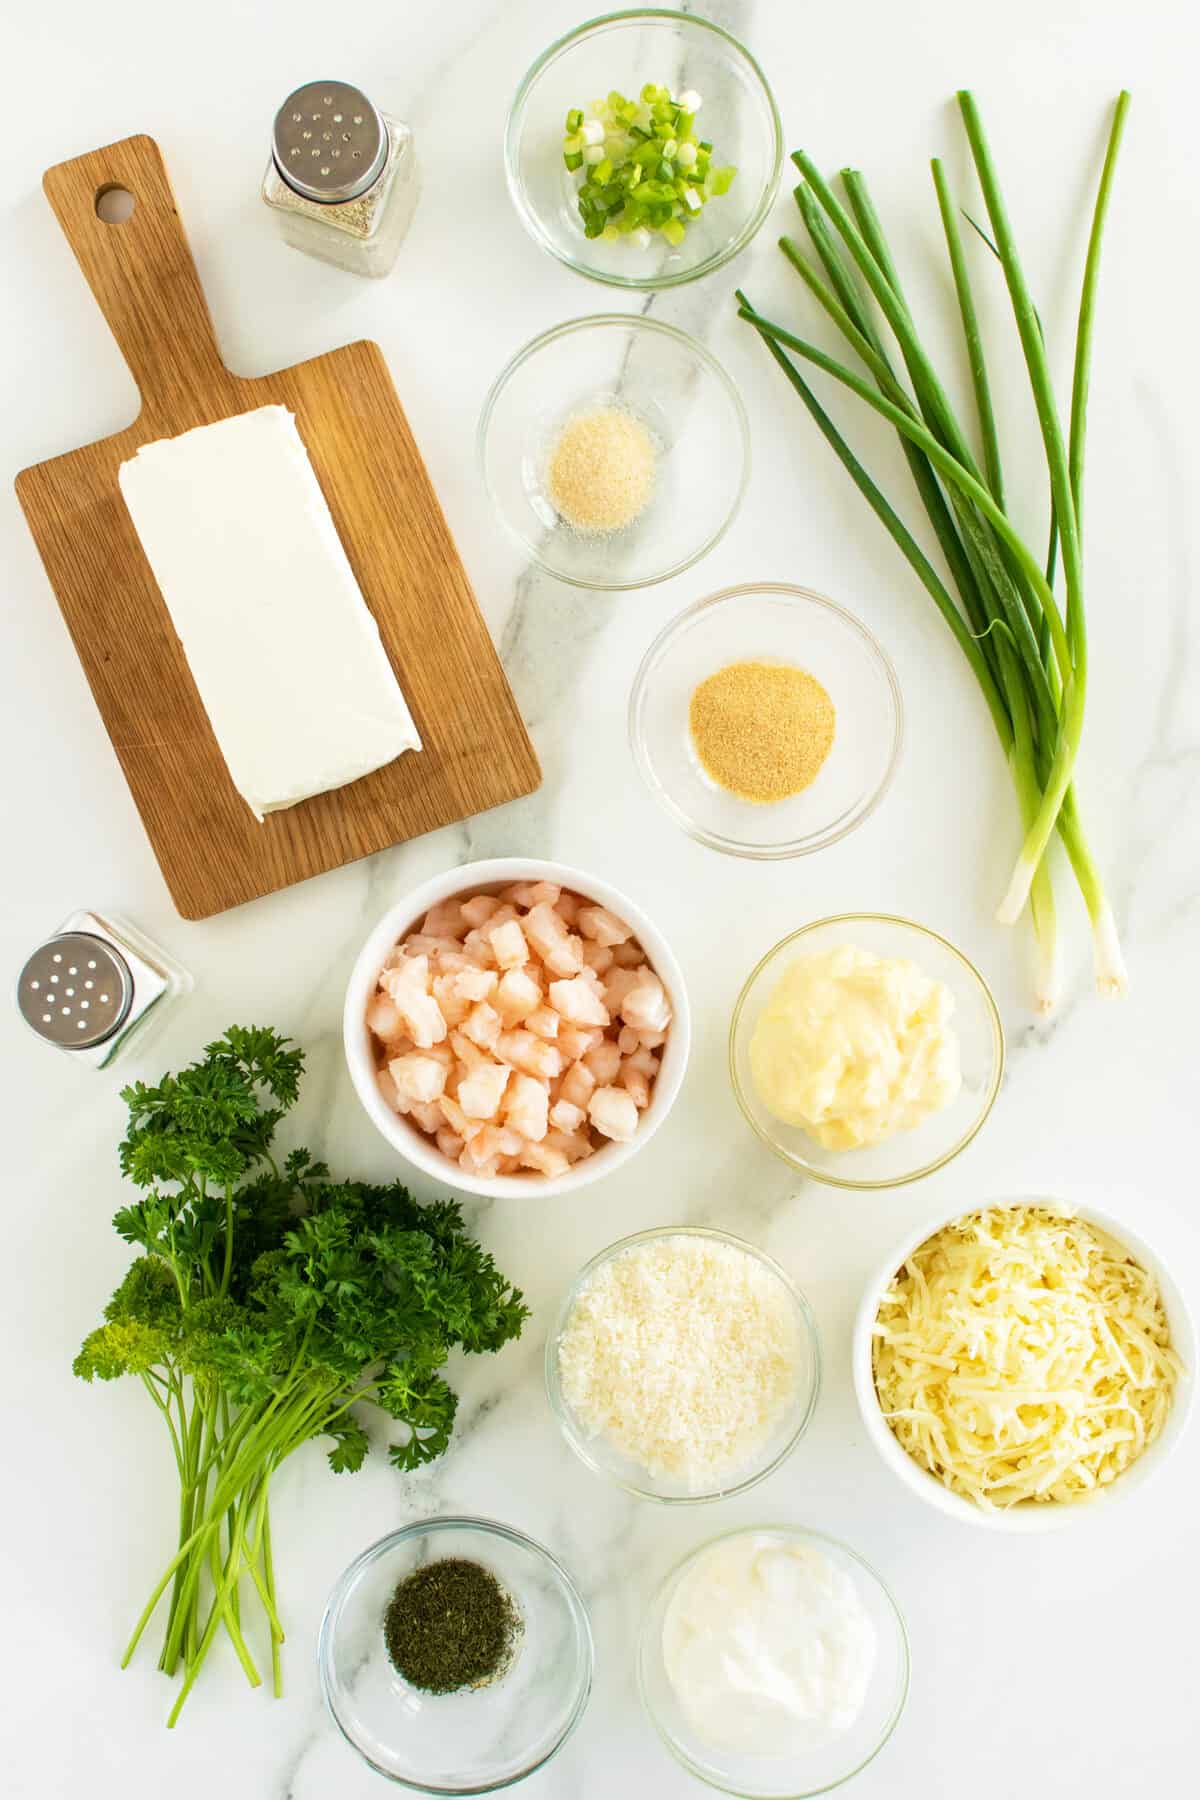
[
  {"x": 766, "y": 720},
  {"x": 644, "y": 148},
  {"x": 615, "y": 450},
  {"x": 628, "y": 1371},
  {"x": 455, "y": 1656}
]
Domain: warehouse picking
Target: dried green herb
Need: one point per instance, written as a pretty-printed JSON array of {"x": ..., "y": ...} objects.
[{"x": 450, "y": 1625}]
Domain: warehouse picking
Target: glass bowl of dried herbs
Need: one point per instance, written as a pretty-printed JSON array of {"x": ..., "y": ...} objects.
[{"x": 455, "y": 1656}]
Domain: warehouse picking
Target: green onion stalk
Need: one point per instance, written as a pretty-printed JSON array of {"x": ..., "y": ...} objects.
[{"x": 1028, "y": 656}]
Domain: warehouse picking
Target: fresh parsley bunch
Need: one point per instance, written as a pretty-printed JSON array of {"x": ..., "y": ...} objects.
[{"x": 267, "y": 1302}]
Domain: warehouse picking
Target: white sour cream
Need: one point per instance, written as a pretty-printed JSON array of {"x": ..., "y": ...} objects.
[{"x": 767, "y": 1646}]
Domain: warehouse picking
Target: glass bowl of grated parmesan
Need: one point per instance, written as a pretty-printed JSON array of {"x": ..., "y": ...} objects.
[
  {"x": 684, "y": 1365},
  {"x": 615, "y": 451}
]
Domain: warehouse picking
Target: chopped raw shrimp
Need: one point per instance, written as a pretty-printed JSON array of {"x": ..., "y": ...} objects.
[
  {"x": 645, "y": 1060},
  {"x": 603, "y": 927},
  {"x": 383, "y": 1019},
  {"x": 449, "y": 1143},
  {"x": 456, "y": 1118},
  {"x": 508, "y": 1165},
  {"x": 387, "y": 1088},
  {"x": 478, "y": 946},
  {"x": 408, "y": 986},
  {"x": 417, "y": 1077},
  {"x": 578, "y": 1085},
  {"x": 646, "y": 1006},
  {"x": 603, "y": 1062},
  {"x": 576, "y": 1040},
  {"x": 561, "y": 952},
  {"x": 532, "y": 1054},
  {"x": 598, "y": 958},
  {"x": 487, "y": 1167},
  {"x": 578, "y": 1001},
  {"x": 508, "y": 944},
  {"x": 565, "y": 1117},
  {"x": 531, "y": 893},
  {"x": 628, "y": 1040},
  {"x": 478, "y": 910},
  {"x": 526, "y": 1109},
  {"x": 630, "y": 955},
  {"x": 545, "y": 1160},
  {"x": 652, "y": 1040},
  {"x": 468, "y": 1055},
  {"x": 495, "y": 1141},
  {"x": 418, "y": 943},
  {"x": 575, "y": 1145},
  {"x": 613, "y": 1113},
  {"x": 481, "y": 1091},
  {"x": 445, "y": 920},
  {"x": 428, "y": 1117},
  {"x": 452, "y": 1004},
  {"x": 482, "y": 1026},
  {"x": 517, "y": 996},
  {"x": 617, "y": 984},
  {"x": 544, "y": 1022},
  {"x": 567, "y": 907},
  {"x": 635, "y": 1083}
]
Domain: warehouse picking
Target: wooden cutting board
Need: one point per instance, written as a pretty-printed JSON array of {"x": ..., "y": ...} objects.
[{"x": 212, "y": 851}]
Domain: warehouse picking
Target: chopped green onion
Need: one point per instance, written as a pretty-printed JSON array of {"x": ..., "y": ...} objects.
[
  {"x": 574, "y": 119},
  {"x": 643, "y": 169}
]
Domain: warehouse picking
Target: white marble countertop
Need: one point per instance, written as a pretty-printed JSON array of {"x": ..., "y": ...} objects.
[{"x": 1062, "y": 1665}]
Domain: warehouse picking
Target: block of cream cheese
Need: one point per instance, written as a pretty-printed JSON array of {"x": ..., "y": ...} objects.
[{"x": 283, "y": 650}]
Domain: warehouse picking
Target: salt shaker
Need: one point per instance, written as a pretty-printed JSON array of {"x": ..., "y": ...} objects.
[
  {"x": 93, "y": 984},
  {"x": 342, "y": 179}
]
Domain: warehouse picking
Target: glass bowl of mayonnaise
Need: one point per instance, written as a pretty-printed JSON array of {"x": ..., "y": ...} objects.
[
  {"x": 866, "y": 1050},
  {"x": 773, "y": 1663}
]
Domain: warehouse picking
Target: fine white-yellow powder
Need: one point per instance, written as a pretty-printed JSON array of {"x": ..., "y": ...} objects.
[
  {"x": 684, "y": 1353},
  {"x": 602, "y": 470}
]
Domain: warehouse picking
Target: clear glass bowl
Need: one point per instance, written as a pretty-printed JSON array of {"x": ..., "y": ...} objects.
[
  {"x": 768, "y": 622},
  {"x": 679, "y": 392},
  {"x": 909, "y": 1155},
  {"x": 625, "y": 50},
  {"x": 799, "y": 1775},
  {"x": 465, "y": 1743},
  {"x": 604, "y": 1459}
]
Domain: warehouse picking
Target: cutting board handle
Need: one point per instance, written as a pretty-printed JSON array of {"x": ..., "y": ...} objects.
[{"x": 140, "y": 269}]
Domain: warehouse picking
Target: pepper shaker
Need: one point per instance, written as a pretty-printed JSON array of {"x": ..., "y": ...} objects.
[
  {"x": 342, "y": 178},
  {"x": 93, "y": 984}
]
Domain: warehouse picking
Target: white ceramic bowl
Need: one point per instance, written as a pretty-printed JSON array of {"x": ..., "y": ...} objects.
[
  {"x": 1029, "y": 1516},
  {"x": 483, "y": 877}
]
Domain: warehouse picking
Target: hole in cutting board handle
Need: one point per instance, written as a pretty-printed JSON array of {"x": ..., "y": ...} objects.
[{"x": 114, "y": 204}]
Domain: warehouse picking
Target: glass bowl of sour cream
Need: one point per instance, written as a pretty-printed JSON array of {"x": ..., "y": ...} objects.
[
  {"x": 773, "y": 1663},
  {"x": 866, "y": 1050}
]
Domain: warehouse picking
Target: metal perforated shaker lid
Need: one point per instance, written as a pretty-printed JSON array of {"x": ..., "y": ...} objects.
[
  {"x": 329, "y": 143},
  {"x": 75, "y": 990}
]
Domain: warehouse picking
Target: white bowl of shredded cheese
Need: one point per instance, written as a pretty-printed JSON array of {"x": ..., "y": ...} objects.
[{"x": 1019, "y": 1365}]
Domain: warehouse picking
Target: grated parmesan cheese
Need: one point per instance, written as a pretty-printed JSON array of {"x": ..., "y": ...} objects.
[
  {"x": 1022, "y": 1355},
  {"x": 684, "y": 1353}
]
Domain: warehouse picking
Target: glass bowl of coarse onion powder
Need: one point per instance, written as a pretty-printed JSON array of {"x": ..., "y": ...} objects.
[
  {"x": 773, "y": 1663},
  {"x": 615, "y": 451},
  {"x": 724, "y": 1377},
  {"x": 766, "y": 720},
  {"x": 455, "y": 1656}
]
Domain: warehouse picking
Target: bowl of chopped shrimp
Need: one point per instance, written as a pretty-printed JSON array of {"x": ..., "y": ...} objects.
[{"x": 516, "y": 1027}]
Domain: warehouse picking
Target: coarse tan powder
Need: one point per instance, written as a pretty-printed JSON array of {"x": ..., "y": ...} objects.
[
  {"x": 602, "y": 470},
  {"x": 761, "y": 729}
]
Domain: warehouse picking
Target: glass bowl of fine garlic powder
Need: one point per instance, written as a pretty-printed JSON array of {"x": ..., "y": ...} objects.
[{"x": 615, "y": 451}]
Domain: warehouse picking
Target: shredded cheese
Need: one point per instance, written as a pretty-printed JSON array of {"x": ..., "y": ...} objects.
[
  {"x": 1021, "y": 1355},
  {"x": 684, "y": 1353}
]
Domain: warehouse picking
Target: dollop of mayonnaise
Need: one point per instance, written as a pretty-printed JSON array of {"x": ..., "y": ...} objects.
[
  {"x": 767, "y": 1646},
  {"x": 854, "y": 1047}
]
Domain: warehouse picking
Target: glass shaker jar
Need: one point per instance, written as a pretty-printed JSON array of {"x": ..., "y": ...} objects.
[{"x": 342, "y": 179}]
